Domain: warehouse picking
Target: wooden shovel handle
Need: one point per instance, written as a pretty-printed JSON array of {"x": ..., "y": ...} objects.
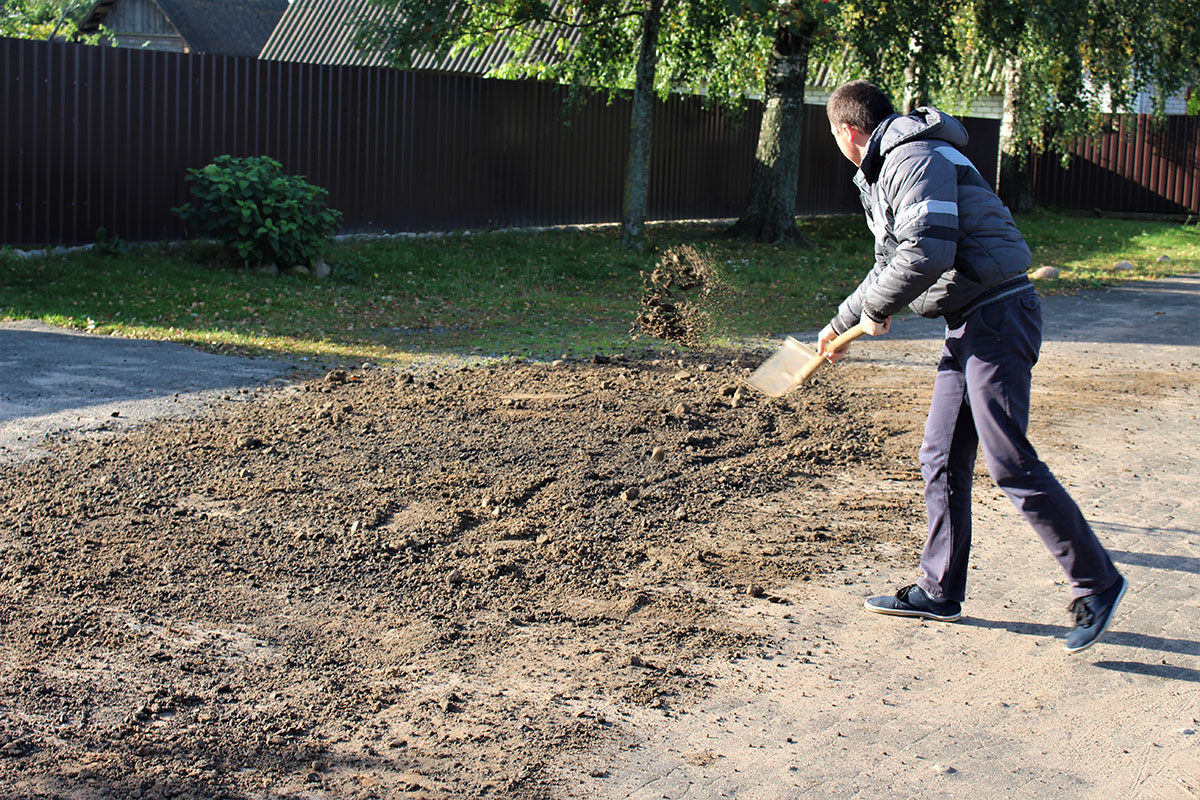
[
  {"x": 846, "y": 338},
  {"x": 837, "y": 344}
]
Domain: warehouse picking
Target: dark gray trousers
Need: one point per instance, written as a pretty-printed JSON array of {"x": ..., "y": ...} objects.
[{"x": 981, "y": 401}]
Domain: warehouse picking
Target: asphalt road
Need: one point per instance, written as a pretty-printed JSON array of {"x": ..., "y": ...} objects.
[{"x": 57, "y": 383}]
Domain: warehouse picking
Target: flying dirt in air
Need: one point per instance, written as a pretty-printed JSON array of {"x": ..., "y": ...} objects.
[{"x": 680, "y": 298}]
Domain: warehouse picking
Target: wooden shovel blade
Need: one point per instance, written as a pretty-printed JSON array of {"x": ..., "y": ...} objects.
[{"x": 786, "y": 369}]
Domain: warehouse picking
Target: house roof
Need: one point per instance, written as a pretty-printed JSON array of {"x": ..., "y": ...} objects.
[
  {"x": 322, "y": 32},
  {"x": 222, "y": 27}
]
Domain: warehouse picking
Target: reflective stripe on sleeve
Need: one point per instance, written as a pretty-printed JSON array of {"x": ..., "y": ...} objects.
[{"x": 927, "y": 207}]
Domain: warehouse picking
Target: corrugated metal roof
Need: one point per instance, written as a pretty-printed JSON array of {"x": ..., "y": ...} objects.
[{"x": 322, "y": 32}]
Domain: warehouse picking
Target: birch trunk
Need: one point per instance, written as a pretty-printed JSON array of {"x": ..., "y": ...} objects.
[
  {"x": 1014, "y": 183},
  {"x": 770, "y": 214},
  {"x": 641, "y": 128}
]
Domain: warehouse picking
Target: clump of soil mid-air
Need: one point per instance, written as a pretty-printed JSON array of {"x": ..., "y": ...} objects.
[{"x": 680, "y": 297}]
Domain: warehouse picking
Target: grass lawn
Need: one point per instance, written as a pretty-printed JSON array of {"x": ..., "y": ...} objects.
[{"x": 511, "y": 293}]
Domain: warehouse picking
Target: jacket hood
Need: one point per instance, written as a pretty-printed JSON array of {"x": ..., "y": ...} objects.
[{"x": 923, "y": 123}]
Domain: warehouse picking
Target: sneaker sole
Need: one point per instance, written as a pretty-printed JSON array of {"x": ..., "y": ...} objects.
[
  {"x": 900, "y": 612},
  {"x": 1107, "y": 622}
]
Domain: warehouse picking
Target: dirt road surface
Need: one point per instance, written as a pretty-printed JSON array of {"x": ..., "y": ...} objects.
[
  {"x": 852, "y": 705},
  {"x": 615, "y": 577}
]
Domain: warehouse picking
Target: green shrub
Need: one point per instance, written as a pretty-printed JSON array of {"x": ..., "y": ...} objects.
[
  {"x": 258, "y": 212},
  {"x": 110, "y": 245}
]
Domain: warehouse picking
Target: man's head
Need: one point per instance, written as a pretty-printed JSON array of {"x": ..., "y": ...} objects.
[{"x": 855, "y": 109}]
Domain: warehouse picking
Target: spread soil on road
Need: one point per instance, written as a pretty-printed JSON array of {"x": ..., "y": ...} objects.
[
  {"x": 387, "y": 584},
  {"x": 438, "y": 583}
]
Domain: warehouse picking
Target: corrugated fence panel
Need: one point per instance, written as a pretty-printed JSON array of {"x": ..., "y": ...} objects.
[
  {"x": 98, "y": 136},
  {"x": 825, "y": 175},
  {"x": 1139, "y": 165},
  {"x": 983, "y": 146},
  {"x": 700, "y": 161}
]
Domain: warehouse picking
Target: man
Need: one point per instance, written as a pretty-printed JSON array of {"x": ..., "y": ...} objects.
[{"x": 947, "y": 247}]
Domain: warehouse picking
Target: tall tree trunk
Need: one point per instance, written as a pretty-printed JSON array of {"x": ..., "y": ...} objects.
[
  {"x": 1014, "y": 184},
  {"x": 770, "y": 214},
  {"x": 914, "y": 78},
  {"x": 641, "y": 127}
]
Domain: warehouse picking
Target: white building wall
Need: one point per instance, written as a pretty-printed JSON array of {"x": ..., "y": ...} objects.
[{"x": 1145, "y": 105}]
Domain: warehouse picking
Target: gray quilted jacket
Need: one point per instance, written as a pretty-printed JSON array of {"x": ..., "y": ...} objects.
[{"x": 944, "y": 242}]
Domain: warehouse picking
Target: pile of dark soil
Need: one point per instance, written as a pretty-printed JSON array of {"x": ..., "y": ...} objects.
[{"x": 377, "y": 584}]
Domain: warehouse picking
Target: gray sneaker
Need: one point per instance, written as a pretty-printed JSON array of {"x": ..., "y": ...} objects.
[
  {"x": 1092, "y": 615},
  {"x": 911, "y": 601}
]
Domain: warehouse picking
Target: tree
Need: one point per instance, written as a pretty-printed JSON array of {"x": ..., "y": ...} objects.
[
  {"x": 904, "y": 46},
  {"x": 590, "y": 45},
  {"x": 41, "y": 19},
  {"x": 794, "y": 30},
  {"x": 1069, "y": 63},
  {"x": 1062, "y": 64},
  {"x": 770, "y": 214},
  {"x": 637, "y": 169}
]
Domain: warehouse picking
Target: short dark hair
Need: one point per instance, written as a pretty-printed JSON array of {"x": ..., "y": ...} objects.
[{"x": 860, "y": 104}]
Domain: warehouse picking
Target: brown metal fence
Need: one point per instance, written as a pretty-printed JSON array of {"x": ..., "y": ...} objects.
[
  {"x": 1139, "y": 165},
  {"x": 95, "y": 136}
]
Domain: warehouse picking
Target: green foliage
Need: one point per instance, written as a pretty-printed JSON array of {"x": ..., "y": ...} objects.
[
  {"x": 41, "y": 19},
  {"x": 719, "y": 46},
  {"x": 906, "y": 46},
  {"x": 258, "y": 212},
  {"x": 587, "y": 44},
  {"x": 1074, "y": 61},
  {"x": 729, "y": 48},
  {"x": 1067, "y": 62}
]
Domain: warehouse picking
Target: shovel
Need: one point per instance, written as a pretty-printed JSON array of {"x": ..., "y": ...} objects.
[{"x": 793, "y": 364}]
